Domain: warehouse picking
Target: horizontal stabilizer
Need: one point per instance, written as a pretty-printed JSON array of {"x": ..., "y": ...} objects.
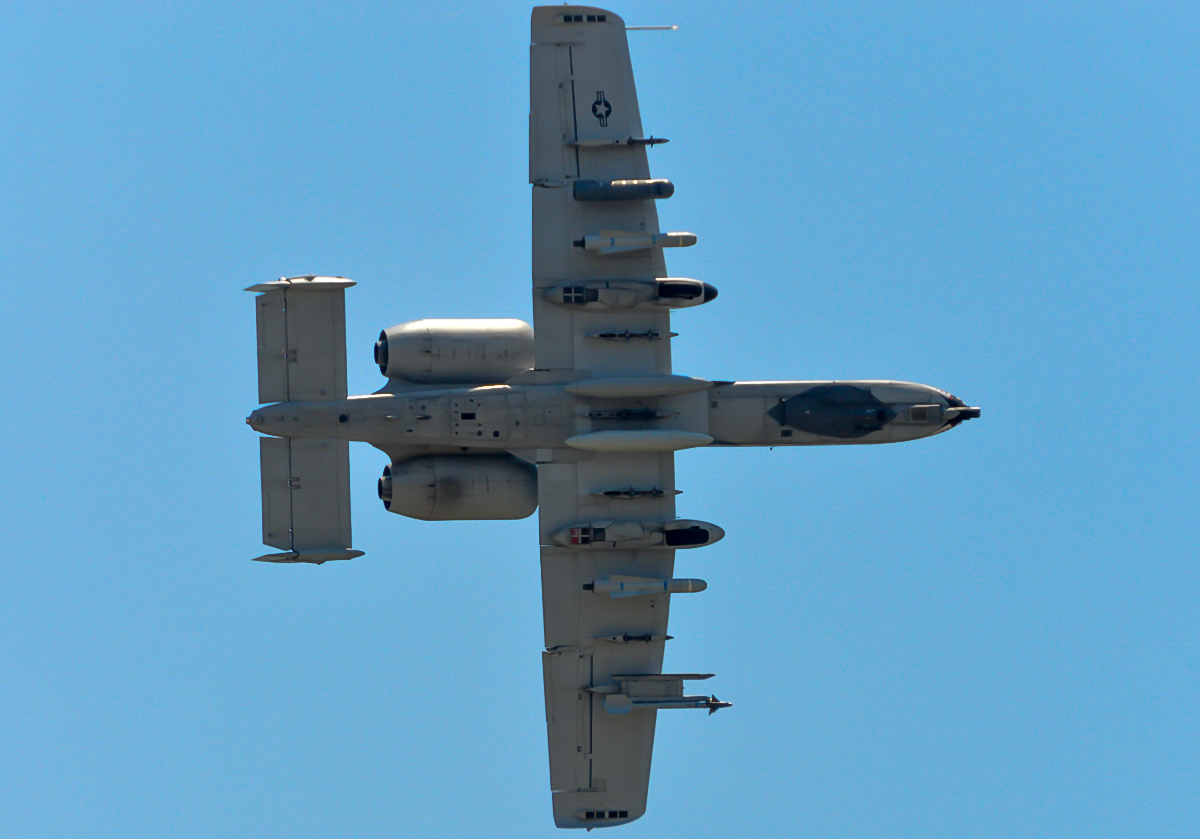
[
  {"x": 301, "y": 339},
  {"x": 306, "y": 499}
]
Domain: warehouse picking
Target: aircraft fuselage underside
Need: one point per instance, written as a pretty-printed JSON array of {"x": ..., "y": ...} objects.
[{"x": 515, "y": 417}]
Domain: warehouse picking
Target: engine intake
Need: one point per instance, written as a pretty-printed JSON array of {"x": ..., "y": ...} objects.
[
  {"x": 459, "y": 351},
  {"x": 460, "y": 488}
]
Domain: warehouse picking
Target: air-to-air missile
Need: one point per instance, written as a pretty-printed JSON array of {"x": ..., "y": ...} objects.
[{"x": 662, "y": 691}]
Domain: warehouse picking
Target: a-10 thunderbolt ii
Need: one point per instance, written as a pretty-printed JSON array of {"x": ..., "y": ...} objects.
[{"x": 579, "y": 417}]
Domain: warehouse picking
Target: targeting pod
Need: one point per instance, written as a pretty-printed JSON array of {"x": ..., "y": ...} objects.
[
  {"x": 627, "y": 535},
  {"x": 663, "y": 292},
  {"x": 626, "y": 190}
]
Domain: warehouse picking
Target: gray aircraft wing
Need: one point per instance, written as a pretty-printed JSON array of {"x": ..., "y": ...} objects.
[
  {"x": 599, "y": 761},
  {"x": 584, "y": 129},
  {"x": 581, "y": 91}
]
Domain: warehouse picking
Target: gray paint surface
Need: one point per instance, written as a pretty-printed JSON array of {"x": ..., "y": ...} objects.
[{"x": 599, "y": 416}]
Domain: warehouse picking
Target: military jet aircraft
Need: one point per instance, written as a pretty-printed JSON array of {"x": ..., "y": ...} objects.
[{"x": 579, "y": 416}]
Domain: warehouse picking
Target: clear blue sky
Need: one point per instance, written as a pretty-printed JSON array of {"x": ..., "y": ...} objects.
[{"x": 992, "y": 633}]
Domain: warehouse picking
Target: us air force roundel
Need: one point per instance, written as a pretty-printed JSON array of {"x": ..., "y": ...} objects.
[{"x": 601, "y": 110}]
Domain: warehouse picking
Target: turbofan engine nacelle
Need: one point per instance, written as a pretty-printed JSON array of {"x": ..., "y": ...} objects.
[
  {"x": 458, "y": 351},
  {"x": 459, "y": 488}
]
